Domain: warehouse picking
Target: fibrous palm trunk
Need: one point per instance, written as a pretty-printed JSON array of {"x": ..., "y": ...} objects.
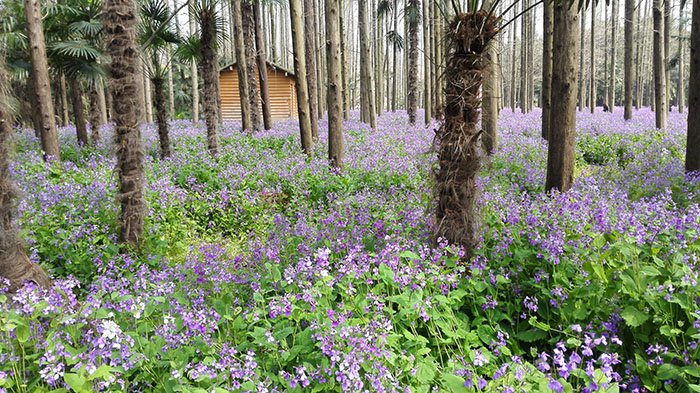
[
  {"x": 311, "y": 67},
  {"x": 161, "y": 116},
  {"x": 459, "y": 148},
  {"x": 692, "y": 155},
  {"x": 210, "y": 75},
  {"x": 248, "y": 18},
  {"x": 629, "y": 46},
  {"x": 95, "y": 115},
  {"x": 78, "y": 111},
  {"x": 42, "y": 83},
  {"x": 562, "y": 138},
  {"x": 412, "y": 86},
  {"x": 120, "y": 32},
  {"x": 334, "y": 96}
]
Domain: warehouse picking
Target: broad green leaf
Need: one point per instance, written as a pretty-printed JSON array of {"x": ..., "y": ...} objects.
[{"x": 633, "y": 317}]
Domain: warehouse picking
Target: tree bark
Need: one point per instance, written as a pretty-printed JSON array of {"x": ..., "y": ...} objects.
[
  {"x": 613, "y": 46},
  {"x": 692, "y": 155},
  {"x": 396, "y": 59},
  {"x": 581, "y": 69},
  {"x": 194, "y": 72},
  {"x": 297, "y": 23},
  {"x": 120, "y": 33},
  {"x": 629, "y": 46},
  {"x": 161, "y": 117},
  {"x": 262, "y": 66},
  {"x": 248, "y": 17},
  {"x": 344, "y": 64},
  {"x": 562, "y": 138},
  {"x": 412, "y": 86},
  {"x": 78, "y": 111},
  {"x": 379, "y": 61},
  {"x": 241, "y": 67},
  {"x": 659, "y": 66},
  {"x": 366, "y": 85},
  {"x": 592, "y": 60},
  {"x": 427, "y": 88},
  {"x": 680, "y": 98},
  {"x": 210, "y": 75},
  {"x": 95, "y": 115},
  {"x": 64, "y": 100},
  {"x": 42, "y": 83},
  {"x": 490, "y": 92},
  {"x": 335, "y": 123},
  {"x": 147, "y": 97},
  {"x": 311, "y": 66},
  {"x": 667, "y": 53},
  {"x": 547, "y": 46}
]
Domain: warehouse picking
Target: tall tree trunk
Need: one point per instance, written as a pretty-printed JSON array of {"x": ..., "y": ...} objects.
[
  {"x": 379, "y": 60},
  {"x": 311, "y": 66},
  {"x": 248, "y": 17},
  {"x": 171, "y": 87},
  {"x": 147, "y": 97},
  {"x": 530, "y": 60},
  {"x": 320, "y": 62},
  {"x": 335, "y": 123},
  {"x": 547, "y": 46},
  {"x": 42, "y": 83},
  {"x": 513, "y": 60},
  {"x": 396, "y": 59},
  {"x": 606, "y": 91},
  {"x": 412, "y": 87},
  {"x": 241, "y": 67},
  {"x": 613, "y": 59},
  {"x": 459, "y": 149},
  {"x": 297, "y": 22},
  {"x": 490, "y": 93},
  {"x": 427, "y": 89},
  {"x": 78, "y": 112},
  {"x": 344, "y": 64},
  {"x": 210, "y": 74},
  {"x": 562, "y": 138},
  {"x": 161, "y": 117},
  {"x": 193, "y": 71},
  {"x": 262, "y": 66},
  {"x": 592, "y": 60},
  {"x": 629, "y": 46},
  {"x": 659, "y": 66},
  {"x": 95, "y": 115},
  {"x": 63, "y": 87},
  {"x": 523, "y": 61},
  {"x": 692, "y": 155},
  {"x": 667, "y": 52},
  {"x": 680, "y": 98},
  {"x": 581, "y": 69},
  {"x": 366, "y": 86},
  {"x": 15, "y": 266},
  {"x": 120, "y": 32}
]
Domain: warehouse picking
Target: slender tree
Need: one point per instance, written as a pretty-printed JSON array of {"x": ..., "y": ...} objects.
[
  {"x": 692, "y": 155},
  {"x": 592, "y": 98},
  {"x": 427, "y": 101},
  {"x": 335, "y": 123},
  {"x": 120, "y": 31},
  {"x": 248, "y": 27},
  {"x": 262, "y": 66},
  {"x": 680, "y": 95},
  {"x": 194, "y": 76},
  {"x": 547, "y": 59},
  {"x": 241, "y": 68},
  {"x": 613, "y": 46},
  {"x": 629, "y": 42},
  {"x": 368, "y": 111},
  {"x": 562, "y": 138},
  {"x": 42, "y": 84},
  {"x": 297, "y": 23},
  {"x": 581, "y": 70},
  {"x": 345, "y": 86},
  {"x": 208, "y": 21},
  {"x": 76, "y": 98},
  {"x": 659, "y": 66},
  {"x": 490, "y": 93},
  {"x": 310, "y": 41},
  {"x": 413, "y": 19}
]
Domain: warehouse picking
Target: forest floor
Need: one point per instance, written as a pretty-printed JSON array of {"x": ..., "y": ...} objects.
[{"x": 264, "y": 271}]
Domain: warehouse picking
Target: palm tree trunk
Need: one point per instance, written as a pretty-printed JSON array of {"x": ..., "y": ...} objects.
[
  {"x": 248, "y": 18},
  {"x": 120, "y": 31},
  {"x": 333, "y": 60},
  {"x": 692, "y": 155},
  {"x": 64, "y": 100},
  {"x": 412, "y": 85},
  {"x": 547, "y": 59},
  {"x": 95, "y": 115},
  {"x": 562, "y": 138},
  {"x": 297, "y": 23},
  {"x": 210, "y": 75},
  {"x": 194, "y": 75},
  {"x": 262, "y": 66},
  {"x": 366, "y": 87},
  {"x": 427, "y": 88},
  {"x": 78, "y": 112},
  {"x": 42, "y": 83},
  {"x": 311, "y": 66},
  {"x": 161, "y": 117},
  {"x": 659, "y": 66},
  {"x": 629, "y": 46}
]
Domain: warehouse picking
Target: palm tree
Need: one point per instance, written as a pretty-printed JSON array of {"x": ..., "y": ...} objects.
[
  {"x": 413, "y": 16},
  {"x": 157, "y": 35},
  {"x": 120, "y": 31},
  {"x": 335, "y": 97}
]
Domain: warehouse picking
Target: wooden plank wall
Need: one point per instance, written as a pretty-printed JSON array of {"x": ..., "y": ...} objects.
[{"x": 283, "y": 100}]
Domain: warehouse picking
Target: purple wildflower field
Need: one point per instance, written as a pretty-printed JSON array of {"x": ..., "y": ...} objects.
[{"x": 264, "y": 271}]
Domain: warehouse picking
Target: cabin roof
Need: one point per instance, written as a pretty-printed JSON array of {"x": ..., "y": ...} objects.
[{"x": 269, "y": 64}]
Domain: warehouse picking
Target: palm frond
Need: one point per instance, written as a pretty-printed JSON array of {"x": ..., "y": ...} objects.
[
  {"x": 384, "y": 8},
  {"x": 394, "y": 38}
]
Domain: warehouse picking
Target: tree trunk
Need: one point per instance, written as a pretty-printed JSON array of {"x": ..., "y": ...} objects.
[
  {"x": 210, "y": 74},
  {"x": 562, "y": 138},
  {"x": 335, "y": 123},
  {"x": 613, "y": 59},
  {"x": 344, "y": 64},
  {"x": 457, "y": 140},
  {"x": 262, "y": 66},
  {"x": 581, "y": 69},
  {"x": 490, "y": 93},
  {"x": 379, "y": 61},
  {"x": 513, "y": 60},
  {"x": 427, "y": 89},
  {"x": 592, "y": 60},
  {"x": 161, "y": 117},
  {"x": 241, "y": 67},
  {"x": 629, "y": 46},
  {"x": 297, "y": 23},
  {"x": 95, "y": 116},
  {"x": 680, "y": 98},
  {"x": 148, "y": 99},
  {"x": 412, "y": 86},
  {"x": 547, "y": 67},
  {"x": 667, "y": 53},
  {"x": 692, "y": 155},
  {"x": 366, "y": 86},
  {"x": 311, "y": 66},
  {"x": 64, "y": 100},
  {"x": 171, "y": 88},
  {"x": 78, "y": 112},
  {"x": 120, "y": 33},
  {"x": 395, "y": 60},
  {"x": 42, "y": 83},
  {"x": 248, "y": 18},
  {"x": 193, "y": 72},
  {"x": 659, "y": 66}
]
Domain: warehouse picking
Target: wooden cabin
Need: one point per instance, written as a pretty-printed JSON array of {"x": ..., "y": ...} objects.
[{"x": 282, "y": 90}]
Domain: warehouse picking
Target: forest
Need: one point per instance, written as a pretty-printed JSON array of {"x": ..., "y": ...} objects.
[{"x": 349, "y": 196}]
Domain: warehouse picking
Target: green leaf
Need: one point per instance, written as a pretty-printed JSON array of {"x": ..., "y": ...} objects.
[
  {"x": 667, "y": 372},
  {"x": 633, "y": 317},
  {"x": 531, "y": 335},
  {"x": 104, "y": 372},
  {"x": 412, "y": 256},
  {"x": 22, "y": 333},
  {"x": 77, "y": 382},
  {"x": 694, "y": 387},
  {"x": 453, "y": 383},
  {"x": 650, "y": 271},
  {"x": 425, "y": 371}
]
